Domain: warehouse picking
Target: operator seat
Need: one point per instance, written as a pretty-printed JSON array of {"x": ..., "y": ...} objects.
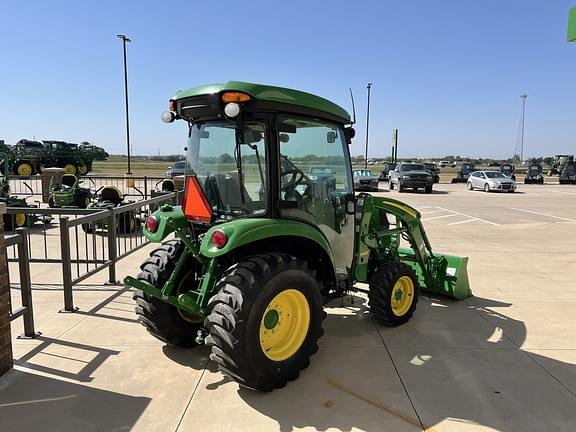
[
  {"x": 68, "y": 180},
  {"x": 231, "y": 191},
  {"x": 112, "y": 194}
]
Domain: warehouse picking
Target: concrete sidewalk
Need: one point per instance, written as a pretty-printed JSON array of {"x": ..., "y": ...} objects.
[{"x": 503, "y": 360}]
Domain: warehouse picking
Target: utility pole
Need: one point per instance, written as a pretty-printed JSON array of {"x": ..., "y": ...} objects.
[
  {"x": 367, "y": 125},
  {"x": 524, "y": 96},
  {"x": 124, "y": 40}
]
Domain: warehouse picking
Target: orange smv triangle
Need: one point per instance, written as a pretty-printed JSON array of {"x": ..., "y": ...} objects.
[{"x": 195, "y": 205}]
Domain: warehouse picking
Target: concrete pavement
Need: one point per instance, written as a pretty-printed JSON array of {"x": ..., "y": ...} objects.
[{"x": 503, "y": 360}]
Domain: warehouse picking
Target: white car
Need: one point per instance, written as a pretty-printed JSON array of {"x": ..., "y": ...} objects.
[{"x": 490, "y": 181}]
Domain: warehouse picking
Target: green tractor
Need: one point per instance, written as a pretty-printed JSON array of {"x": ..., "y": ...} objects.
[{"x": 261, "y": 246}]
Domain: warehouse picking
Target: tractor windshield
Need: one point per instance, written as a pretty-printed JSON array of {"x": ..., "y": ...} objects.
[{"x": 232, "y": 174}]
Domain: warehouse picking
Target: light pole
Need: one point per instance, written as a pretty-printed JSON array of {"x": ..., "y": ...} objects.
[
  {"x": 367, "y": 125},
  {"x": 524, "y": 96},
  {"x": 124, "y": 40}
]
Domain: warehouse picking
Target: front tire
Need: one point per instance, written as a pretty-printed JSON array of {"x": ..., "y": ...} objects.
[
  {"x": 486, "y": 187},
  {"x": 469, "y": 186},
  {"x": 265, "y": 320},
  {"x": 161, "y": 319},
  {"x": 391, "y": 185},
  {"x": 428, "y": 189},
  {"x": 393, "y": 294}
]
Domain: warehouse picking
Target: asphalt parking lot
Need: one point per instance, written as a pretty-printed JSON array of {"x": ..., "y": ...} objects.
[{"x": 503, "y": 360}]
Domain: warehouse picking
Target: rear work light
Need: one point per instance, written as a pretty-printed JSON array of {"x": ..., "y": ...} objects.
[
  {"x": 195, "y": 205},
  {"x": 219, "y": 239},
  {"x": 152, "y": 224},
  {"x": 228, "y": 97}
]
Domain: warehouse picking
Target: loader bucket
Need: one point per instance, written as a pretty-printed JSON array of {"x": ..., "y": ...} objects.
[{"x": 455, "y": 283}]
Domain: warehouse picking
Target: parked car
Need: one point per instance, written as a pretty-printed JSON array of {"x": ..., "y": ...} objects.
[
  {"x": 490, "y": 181},
  {"x": 365, "y": 179},
  {"x": 179, "y": 168},
  {"x": 320, "y": 171},
  {"x": 433, "y": 169},
  {"x": 444, "y": 164},
  {"x": 411, "y": 175},
  {"x": 388, "y": 166}
]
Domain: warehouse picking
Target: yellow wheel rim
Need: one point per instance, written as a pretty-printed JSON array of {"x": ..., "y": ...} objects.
[
  {"x": 86, "y": 201},
  {"x": 132, "y": 224},
  {"x": 24, "y": 169},
  {"x": 284, "y": 325},
  {"x": 402, "y": 296},
  {"x": 70, "y": 169},
  {"x": 20, "y": 219},
  {"x": 82, "y": 169}
]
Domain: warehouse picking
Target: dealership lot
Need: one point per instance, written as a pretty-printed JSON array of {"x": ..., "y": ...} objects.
[{"x": 502, "y": 360}]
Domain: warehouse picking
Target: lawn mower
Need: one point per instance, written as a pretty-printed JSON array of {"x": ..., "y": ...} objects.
[
  {"x": 106, "y": 198},
  {"x": 68, "y": 193}
]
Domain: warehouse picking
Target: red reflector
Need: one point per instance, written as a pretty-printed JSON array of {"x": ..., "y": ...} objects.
[
  {"x": 151, "y": 224},
  {"x": 219, "y": 239},
  {"x": 195, "y": 205}
]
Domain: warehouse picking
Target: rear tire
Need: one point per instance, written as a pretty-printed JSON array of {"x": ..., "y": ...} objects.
[
  {"x": 127, "y": 223},
  {"x": 24, "y": 168},
  {"x": 255, "y": 297},
  {"x": 393, "y": 294},
  {"x": 161, "y": 319},
  {"x": 82, "y": 201}
]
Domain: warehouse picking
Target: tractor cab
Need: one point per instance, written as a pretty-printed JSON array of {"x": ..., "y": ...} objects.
[
  {"x": 534, "y": 174},
  {"x": 462, "y": 176}
]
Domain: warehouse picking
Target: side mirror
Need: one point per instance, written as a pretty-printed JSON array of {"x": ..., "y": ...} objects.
[
  {"x": 284, "y": 138},
  {"x": 349, "y": 133},
  {"x": 331, "y": 137}
]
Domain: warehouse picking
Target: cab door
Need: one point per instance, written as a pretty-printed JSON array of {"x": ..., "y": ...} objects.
[{"x": 316, "y": 183}]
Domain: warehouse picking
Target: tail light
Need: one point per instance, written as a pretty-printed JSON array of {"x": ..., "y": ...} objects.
[
  {"x": 219, "y": 239},
  {"x": 151, "y": 224}
]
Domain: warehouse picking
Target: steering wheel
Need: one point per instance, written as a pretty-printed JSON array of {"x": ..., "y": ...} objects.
[{"x": 296, "y": 178}]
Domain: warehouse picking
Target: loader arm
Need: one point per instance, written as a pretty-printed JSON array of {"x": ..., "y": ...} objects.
[{"x": 378, "y": 240}]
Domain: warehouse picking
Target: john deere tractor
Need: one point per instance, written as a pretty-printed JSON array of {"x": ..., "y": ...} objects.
[{"x": 260, "y": 246}]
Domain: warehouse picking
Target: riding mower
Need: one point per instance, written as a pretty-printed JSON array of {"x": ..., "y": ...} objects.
[
  {"x": 260, "y": 247},
  {"x": 68, "y": 193},
  {"x": 464, "y": 173},
  {"x": 106, "y": 198},
  {"x": 18, "y": 220},
  {"x": 534, "y": 174},
  {"x": 508, "y": 170}
]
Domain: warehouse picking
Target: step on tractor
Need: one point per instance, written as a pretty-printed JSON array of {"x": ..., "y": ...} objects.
[
  {"x": 67, "y": 192},
  {"x": 465, "y": 169},
  {"x": 260, "y": 247},
  {"x": 534, "y": 174},
  {"x": 110, "y": 197},
  {"x": 508, "y": 170}
]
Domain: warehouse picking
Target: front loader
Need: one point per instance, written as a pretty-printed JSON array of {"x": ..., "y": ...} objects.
[{"x": 259, "y": 246}]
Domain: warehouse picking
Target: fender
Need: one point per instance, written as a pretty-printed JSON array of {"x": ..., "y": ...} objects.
[
  {"x": 245, "y": 231},
  {"x": 169, "y": 218}
]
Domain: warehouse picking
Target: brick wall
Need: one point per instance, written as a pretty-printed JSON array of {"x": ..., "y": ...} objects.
[{"x": 5, "y": 337}]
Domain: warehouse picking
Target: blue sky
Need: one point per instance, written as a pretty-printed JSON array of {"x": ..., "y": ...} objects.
[{"x": 447, "y": 74}]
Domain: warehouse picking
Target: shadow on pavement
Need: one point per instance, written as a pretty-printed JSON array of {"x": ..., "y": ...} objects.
[
  {"x": 30, "y": 402},
  {"x": 410, "y": 384}
]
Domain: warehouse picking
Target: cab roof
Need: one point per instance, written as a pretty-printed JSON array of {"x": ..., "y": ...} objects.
[{"x": 267, "y": 93}]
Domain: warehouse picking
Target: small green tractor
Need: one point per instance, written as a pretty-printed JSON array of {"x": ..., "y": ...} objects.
[
  {"x": 534, "y": 174},
  {"x": 465, "y": 170},
  {"x": 508, "y": 170},
  {"x": 67, "y": 192},
  {"x": 261, "y": 246}
]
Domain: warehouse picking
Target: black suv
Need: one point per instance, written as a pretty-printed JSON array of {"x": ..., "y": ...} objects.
[{"x": 411, "y": 175}]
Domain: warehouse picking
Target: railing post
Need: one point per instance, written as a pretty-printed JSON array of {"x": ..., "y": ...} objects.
[
  {"x": 112, "y": 251},
  {"x": 145, "y": 187},
  {"x": 66, "y": 266},
  {"x": 25, "y": 283}
]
